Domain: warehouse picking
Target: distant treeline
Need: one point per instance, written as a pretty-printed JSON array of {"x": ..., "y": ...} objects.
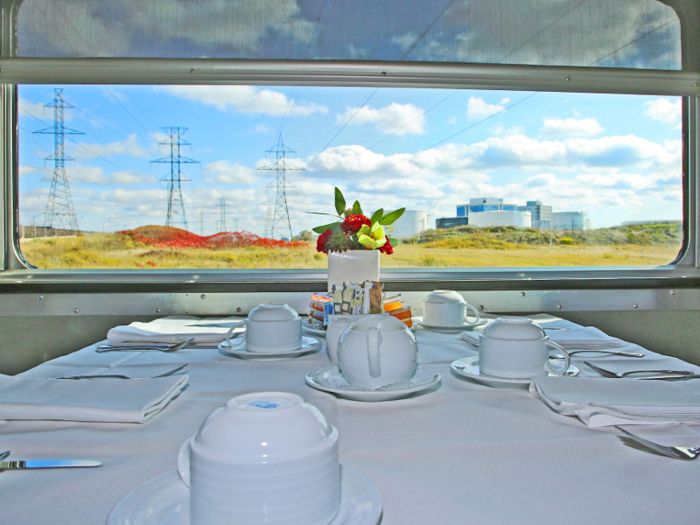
[{"x": 474, "y": 237}]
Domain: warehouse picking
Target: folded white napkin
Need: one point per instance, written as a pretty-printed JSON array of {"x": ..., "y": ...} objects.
[
  {"x": 101, "y": 400},
  {"x": 173, "y": 329},
  {"x": 600, "y": 402},
  {"x": 579, "y": 337}
]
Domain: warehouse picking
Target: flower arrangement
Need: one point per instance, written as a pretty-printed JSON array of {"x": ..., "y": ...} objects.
[{"x": 354, "y": 230}]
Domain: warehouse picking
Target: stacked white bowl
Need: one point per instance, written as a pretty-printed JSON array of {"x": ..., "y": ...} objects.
[{"x": 264, "y": 458}]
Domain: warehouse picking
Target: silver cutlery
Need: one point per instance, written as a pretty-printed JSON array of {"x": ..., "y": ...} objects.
[
  {"x": 665, "y": 373},
  {"x": 121, "y": 376},
  {"x": 4, "y": 455},
  {"x": 553, "y": 328},
  {"x": 145, "y": 346},
  {"x": 671, "y": 452},
  {"x": 610, "y": 352},
  {"x": 48, "y": 463}
]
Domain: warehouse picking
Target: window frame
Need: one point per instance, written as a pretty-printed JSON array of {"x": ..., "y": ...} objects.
[{"x": 18, "y": 276}]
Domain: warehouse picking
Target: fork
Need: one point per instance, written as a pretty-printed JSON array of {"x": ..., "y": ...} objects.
[
  {"x": 121, "y": 376},
  {"x": 608, "y": 373},
  {"x": 4, "y": 455},
  {"x": 610, "y": 352},
  {"x": 671, "y": 452},
  {"x": 138, "y": 347}
]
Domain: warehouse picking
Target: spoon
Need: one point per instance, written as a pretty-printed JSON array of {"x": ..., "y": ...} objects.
[
  {"x": 121, "y": 376},
  {"x": 138, "y": 347}
]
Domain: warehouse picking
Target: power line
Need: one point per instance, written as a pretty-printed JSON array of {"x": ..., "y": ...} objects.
[
  {"x": 343, "y": 126},
  {"x": 450, "y": 137}
]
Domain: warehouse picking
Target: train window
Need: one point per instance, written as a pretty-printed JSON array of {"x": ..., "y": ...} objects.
[{"x": 205, "y": 176}]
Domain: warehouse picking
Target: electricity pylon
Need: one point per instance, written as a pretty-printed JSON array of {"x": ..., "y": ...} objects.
[
  {"x": 222, "y": 213},
  {"x": 59, "y": 208},
  {"x": 281, "y": 224},
  {"x": 173, "y": 181}
]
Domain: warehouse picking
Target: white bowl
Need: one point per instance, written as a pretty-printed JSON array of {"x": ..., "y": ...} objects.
[
  {"x": 273, "y": 312},
  {"x": 264, "y": 458},
  {"x": 444, "y": 297},
  {"x": 514, "y": 329}
]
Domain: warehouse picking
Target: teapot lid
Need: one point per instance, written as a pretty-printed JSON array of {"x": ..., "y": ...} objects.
[
  {"x": 514, "y": 328},
  {"x": 385, "y": 323}
]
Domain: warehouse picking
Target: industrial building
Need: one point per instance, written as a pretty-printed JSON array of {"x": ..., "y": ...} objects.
[
  {"x": 412, "y": 222},
  {"x": 541, "y": 214},
  {"x": 570, "y": 220}
]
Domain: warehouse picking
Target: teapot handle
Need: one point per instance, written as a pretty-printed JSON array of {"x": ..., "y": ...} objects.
[{"x": 373, "y": 340}]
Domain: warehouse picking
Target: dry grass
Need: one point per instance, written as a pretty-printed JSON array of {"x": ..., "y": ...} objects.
[{"x": 112, "y": 251}]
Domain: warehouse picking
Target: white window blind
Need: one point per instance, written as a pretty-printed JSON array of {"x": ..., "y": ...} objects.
[{"x": 641, "y": 34}]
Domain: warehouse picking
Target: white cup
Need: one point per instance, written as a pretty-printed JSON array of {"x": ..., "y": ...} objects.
[
  {"x": 448, "y": 309},
  {"x": 264, "y": 458},
  {"x": 517, "y": 348},
  {"x": 376, "y": 351},
  {"x": 269, "y": 328}
]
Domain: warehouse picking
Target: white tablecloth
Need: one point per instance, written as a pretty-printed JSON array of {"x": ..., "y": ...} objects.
[{"x": 465, "y": 453}]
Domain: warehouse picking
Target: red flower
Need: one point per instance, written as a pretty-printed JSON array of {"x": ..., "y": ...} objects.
[
  {"x": 321, "y": 241},
  {"x": 353, "y": 223},
  {"x": 386, "y": 248}
]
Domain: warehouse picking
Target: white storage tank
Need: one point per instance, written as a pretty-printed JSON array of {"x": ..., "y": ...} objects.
[
  {"x": 412, "y": 222},
  {"x": 519, "y": 219}
]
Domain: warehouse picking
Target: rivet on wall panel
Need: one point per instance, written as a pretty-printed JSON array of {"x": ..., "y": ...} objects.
[
  {"x": 76, "y": 311},
  {"x": 157, "y": 310},
  {"x": 672, "y": 292},
  {"x": 522, "y": 294},
  {"x": 635, "y": 306},
  {"x": 558, "y": 307},
  {"x": 203, "y": 296},
  {"x": 481, "y": 307},
  {"x": 239, "y": 309},
  {"x": 41, "y": 297}
]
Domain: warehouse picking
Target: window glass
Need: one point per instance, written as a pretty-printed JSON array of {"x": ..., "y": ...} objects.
[
  {"x": 223, "y": 176},
  {"x": 642, "y": 34}
]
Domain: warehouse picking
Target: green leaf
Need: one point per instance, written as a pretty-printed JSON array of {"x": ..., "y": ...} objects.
[
  {"x": 391, "y": 217},
  {"x": 320, "y": 213},
  {"x": 339, "y": 202},
  {"x": 335, "y": 226},
  {"x": 394, "y": 242},
  {"x": 357, "y": 209},
  {"x": 377, "y": 215}
]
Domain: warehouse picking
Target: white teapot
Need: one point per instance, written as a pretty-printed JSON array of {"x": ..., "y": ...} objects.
[{"x": 377, "y": 351}]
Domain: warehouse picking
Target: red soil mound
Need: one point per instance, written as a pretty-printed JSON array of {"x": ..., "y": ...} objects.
[{"x": 162, "y": 236}]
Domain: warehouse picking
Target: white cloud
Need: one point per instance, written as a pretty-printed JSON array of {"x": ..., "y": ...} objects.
[
  {"x": 24, "y": 169},
  {"x": 404, "y": 41},
  {"x": 571, "y": 127},
  {"x": 132, "y": 177},
  {"x": 244, "y": 99},
  {"x": 237, "y": 26},
  {"x": 478, "y": 108},
  {"x": 223, "y": 172},
  {"x": 401, "y": 119},
  {"x": 128, "y": 146},
  {"x": 663, "y": 110}
]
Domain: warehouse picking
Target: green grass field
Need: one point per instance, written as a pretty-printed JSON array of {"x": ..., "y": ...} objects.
[{"x": 473, "y": 247}]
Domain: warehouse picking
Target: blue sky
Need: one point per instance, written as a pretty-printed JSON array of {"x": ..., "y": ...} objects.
[{"x": 618, "y": 157}]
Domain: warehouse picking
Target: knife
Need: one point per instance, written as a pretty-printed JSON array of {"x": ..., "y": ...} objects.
[{"x": 48, "y": 463}]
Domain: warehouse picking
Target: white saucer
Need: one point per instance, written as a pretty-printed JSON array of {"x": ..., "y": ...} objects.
[
  {"x": 469, "y": 367},
  {"x": 308, "y": 345},
  {"x": 305, "y": 327},
  {"x": 330, "y": 379},
  {"x": 452, "y": 329},
  {"x": 165, "y": 500}
]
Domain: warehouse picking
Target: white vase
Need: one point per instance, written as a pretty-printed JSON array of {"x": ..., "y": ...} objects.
[{"x": 354, "y": 266}]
